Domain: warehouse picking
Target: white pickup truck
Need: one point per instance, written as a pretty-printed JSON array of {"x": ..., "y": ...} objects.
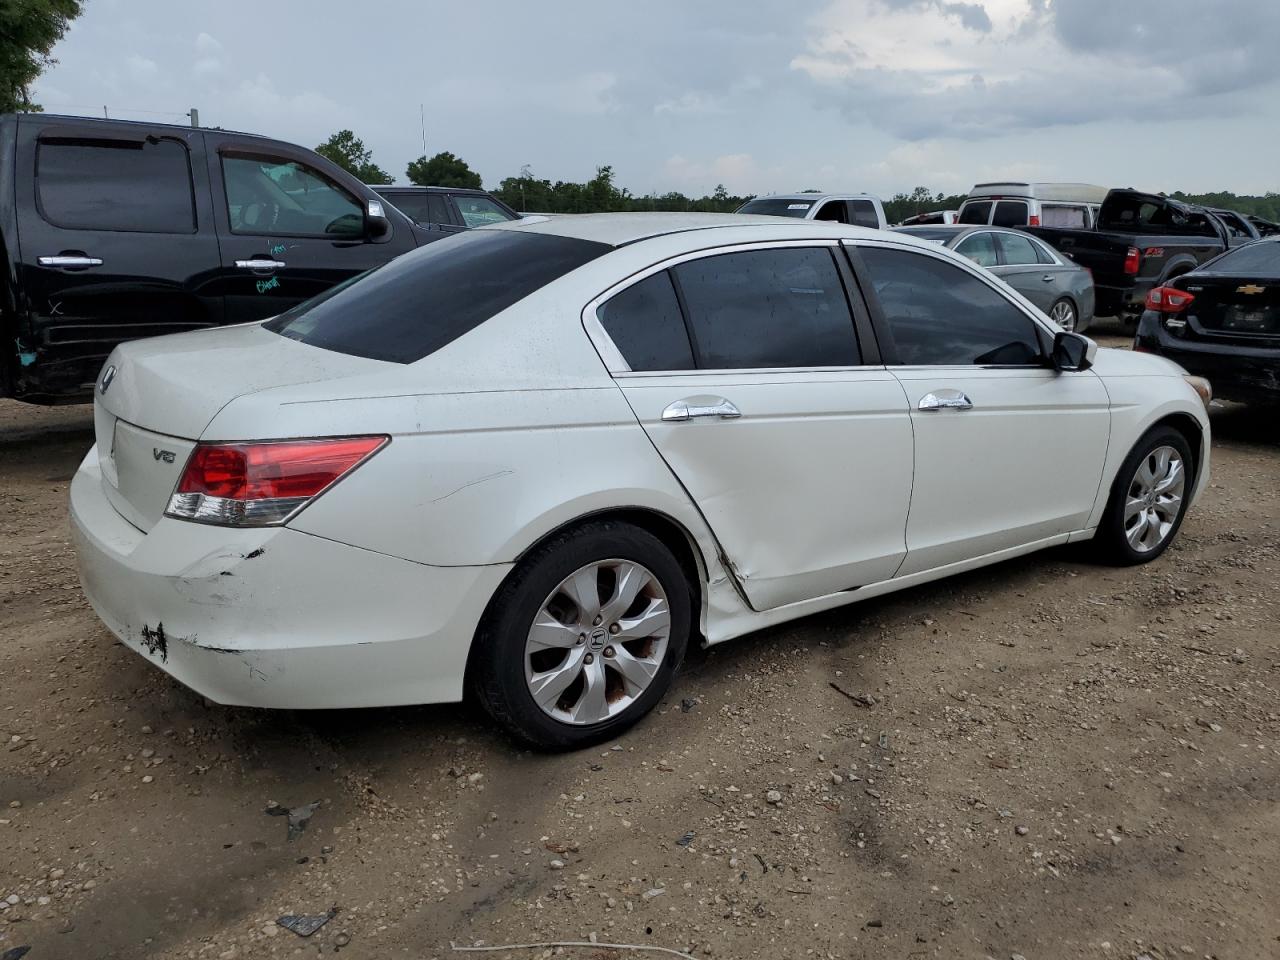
[{"x": 860, "y": 209}]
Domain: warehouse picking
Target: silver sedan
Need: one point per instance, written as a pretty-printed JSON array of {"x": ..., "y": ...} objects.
[{"x": 1059, "y": 287}]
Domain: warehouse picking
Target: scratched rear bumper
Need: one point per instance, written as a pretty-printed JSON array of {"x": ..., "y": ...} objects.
[{"x": 274, "y": 617}]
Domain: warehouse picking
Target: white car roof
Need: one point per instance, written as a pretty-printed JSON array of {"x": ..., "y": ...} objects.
[{"x": 619, "y": 229}]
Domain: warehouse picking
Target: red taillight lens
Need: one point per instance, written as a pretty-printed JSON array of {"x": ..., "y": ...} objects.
[
  {"x": 1168, "y": 300},
  {"x": 1033, "y": 220},
  {"x": 255, "y": 484},
  {"x": 1132, "y": 261}
]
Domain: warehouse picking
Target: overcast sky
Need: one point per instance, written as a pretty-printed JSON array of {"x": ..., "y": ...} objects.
[{"x": 876, "y": 95}]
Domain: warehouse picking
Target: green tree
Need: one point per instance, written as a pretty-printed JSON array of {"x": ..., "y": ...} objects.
[
  {"x": 348, "y": 151},
  {"x": 29, "y": 29},
  {"x": 442, "y": 170}
]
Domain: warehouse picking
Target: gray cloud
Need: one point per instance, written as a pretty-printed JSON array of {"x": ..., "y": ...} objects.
[{"x": 972, "y": 16}]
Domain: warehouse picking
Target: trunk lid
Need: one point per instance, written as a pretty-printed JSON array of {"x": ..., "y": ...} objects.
[
  {"x": 1233, "y": 309},
  {"x": 161, "y": 394}
]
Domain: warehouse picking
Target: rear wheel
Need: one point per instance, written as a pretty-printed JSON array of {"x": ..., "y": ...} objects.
[
  {"x": 584, "y": 637},
  {"x": 1063, "y": 313},
  {"x": 1148, "y": 499}
]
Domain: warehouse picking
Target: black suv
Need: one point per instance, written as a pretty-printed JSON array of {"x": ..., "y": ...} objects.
[
  {"x": 449, "y": 209},
  {"x": 112, "y": 230}
]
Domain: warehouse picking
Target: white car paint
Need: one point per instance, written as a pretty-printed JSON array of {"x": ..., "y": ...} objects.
[{"x": 832, "y": 480}]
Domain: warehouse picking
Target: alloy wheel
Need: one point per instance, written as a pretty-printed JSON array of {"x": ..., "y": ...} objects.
[
  {"x": 1154, "y": 499},
  {"x": 597, "y": 642},
  {"x": 1064, "y": 315}
]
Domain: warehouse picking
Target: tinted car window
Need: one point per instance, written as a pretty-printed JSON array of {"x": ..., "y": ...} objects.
[
  {"x": 645, "y": 324},
  {"x": 1260, "y": 260},
  {"x": 768, "y": 308},
  {"x": 1010, "y": 213},
  {"x": 980, "y": 248},
  {"x": 477, "y": 211},
  {"x": 834, "y": 210},
  {"x": 270, "y": 196},
  {"x": 423, "y": 300},
  {"x": 1061, "y": 215},
  {"x": 775, "y": 207},
  {"x": 975, "y": 213},
  {"x": 142, "y": 186},
  {"x": 1020, "y": 250},
  {"x": 939, "y": 314},
  {"x": 437, "y": 209},
  {"x": 864, "y": 213}
]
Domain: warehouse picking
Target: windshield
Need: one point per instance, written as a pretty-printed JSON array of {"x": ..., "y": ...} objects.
[
  {"x": 777, "y": 207},
  {"x": 417, "y": 303}
]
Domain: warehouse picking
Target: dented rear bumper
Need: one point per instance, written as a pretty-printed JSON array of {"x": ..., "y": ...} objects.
[{"x": 273, "y": 617}]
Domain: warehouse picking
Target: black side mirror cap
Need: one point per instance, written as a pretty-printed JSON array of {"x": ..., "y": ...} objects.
[
  {"x": 377, "y": 226},
  {"x": 1072, "y": 352}
]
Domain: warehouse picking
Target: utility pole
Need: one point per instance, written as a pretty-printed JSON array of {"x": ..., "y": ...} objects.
[
  {"x": 422, "y": 121},
  {"x": 194, "y": 114},
  {"x": 104, "y": 112}
]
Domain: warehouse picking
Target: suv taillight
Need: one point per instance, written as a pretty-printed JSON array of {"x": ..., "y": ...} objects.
[
  {"x": 1132, "y": 261},
  {"x": 1168, "y": 300},
  {"x": 261, "y": 484}
]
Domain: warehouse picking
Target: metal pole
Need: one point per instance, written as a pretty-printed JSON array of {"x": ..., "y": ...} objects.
[
  {"x": 194, "y": 114},
  {"x": 104, "y": 112}
]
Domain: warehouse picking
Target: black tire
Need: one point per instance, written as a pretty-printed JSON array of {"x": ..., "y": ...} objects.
[
  {"x": 498, "y": 660},
  {"x": 1111, "y": 540}
]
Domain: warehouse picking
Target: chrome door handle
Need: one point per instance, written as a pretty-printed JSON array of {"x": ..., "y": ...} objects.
[
  {"x": 700, "y": 408},
  {"x": 1047, "y": 278},
  {"x": 67, "y": 262},
  {"x": 261, "y": 264},
  {"x": 945, "y": 400}
]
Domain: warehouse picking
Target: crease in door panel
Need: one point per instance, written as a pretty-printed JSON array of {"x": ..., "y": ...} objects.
[{"x": 911, "y": 490}]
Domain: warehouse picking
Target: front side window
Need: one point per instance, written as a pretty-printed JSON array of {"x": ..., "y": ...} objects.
[
  {"x": 477, "y": 211},
  {"x": 864, "y": 213},
  {"x": 141, "y": 186},
  {"x": 980, "y": 248},
  {"x": 939, "y": 314},
  {"x": 1020, "y": 250},
  {"x": 271, "y": 196},
  {"x": 833, "y": 210},
  {"x": 768, "y": 308},
  {"x": 645, "y": 324},
  {"x": 418, "y": 303},
  {"x": 975, "y": 213},
  {"x": 1010, "y": 213}
]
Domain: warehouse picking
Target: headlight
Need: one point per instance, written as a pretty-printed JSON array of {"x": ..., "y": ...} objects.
[{"x": 1201, "y": 386}]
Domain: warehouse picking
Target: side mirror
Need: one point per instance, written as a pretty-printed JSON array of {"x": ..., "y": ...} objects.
[
  {"x": 376, "y": 224},
  {"x": 1072, "y": 352}
]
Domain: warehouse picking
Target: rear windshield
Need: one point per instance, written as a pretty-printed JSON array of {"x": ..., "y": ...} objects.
[
  {"x": 925, "y": 233},
  {"x": 979, "y": 212},
  {"x": 417, "y": 303},
  {"x": 777, "y": 207},
  {"x": 1260, "y": 259}
]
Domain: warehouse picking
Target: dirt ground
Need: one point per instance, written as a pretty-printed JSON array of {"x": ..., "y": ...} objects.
[{"x": 1060, "y": 760}]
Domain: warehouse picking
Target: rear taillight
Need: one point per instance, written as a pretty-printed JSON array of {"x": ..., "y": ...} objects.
[
  {"x": 260, "y": 484},
  {"x": 1132, "y": 261},
  {"x": 1168, "y": 300},
  {"x": 1034, "y": 220}
]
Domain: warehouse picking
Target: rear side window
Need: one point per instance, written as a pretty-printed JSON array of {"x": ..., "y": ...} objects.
[
  {"x": 980, "y": 248},
  {"x": 645, "y": 324},
  {"x": 142, "y": 186},
  {"x": 421, "y": 301},
  {"x": 864, "y": 213},
  {"x": 1063, "y": 216},
  {"x": 975, "y": 213},
  {"x": 939, "y": 314},
  {"x": 768, "y": 308},
  {"x": 1021, "y": 250},
  {"x": 1010, "y": 213}
]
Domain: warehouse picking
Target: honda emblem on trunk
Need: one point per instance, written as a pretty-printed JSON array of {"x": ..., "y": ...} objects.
[{"x": 107, "y": 377}]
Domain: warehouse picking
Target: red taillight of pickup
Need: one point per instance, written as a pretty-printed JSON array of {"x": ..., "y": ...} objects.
[
  {"x": 1168, "y": 300},
  {"x": 263, "y": 484},
  {"x": 1132, "y": 261}
]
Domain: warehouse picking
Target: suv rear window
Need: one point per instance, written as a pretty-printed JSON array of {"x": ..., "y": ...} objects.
[{"x": 417, "y": 303}]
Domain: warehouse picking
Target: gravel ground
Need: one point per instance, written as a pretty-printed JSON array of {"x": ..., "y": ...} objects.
[{"x": 1046, "y": 759}]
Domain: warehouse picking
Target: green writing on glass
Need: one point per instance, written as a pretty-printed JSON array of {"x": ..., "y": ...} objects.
[{"x": 265, "y": 285}]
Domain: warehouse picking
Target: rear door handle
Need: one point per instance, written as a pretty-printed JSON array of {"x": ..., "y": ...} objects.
[
  {"x": 69, "y": 262},
  {"x": 945, "y": 400},
  {"x": 261, "y": 264},
  {"x": 1047, "y": 278},
  {"x": 700, "y": 408}
]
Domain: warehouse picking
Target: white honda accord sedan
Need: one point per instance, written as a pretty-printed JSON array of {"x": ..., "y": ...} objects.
[{"x": 537, "y": 460}]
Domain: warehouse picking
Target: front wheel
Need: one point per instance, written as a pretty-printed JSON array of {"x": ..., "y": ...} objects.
[
  {"x": 1148, "y": 499},
  {"x": 585, "y": 636},
  {"x": 1063, "y": 313}
]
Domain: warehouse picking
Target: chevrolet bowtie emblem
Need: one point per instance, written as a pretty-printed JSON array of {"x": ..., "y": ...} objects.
[{"x": 1250, "y": 288}]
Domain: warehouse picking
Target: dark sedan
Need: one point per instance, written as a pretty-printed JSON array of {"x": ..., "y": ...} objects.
[
  {"x": 1062, "y": 289},
  {"x": 1222, "y": 321}
]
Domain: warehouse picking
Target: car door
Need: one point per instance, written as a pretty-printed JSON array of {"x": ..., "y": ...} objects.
[
  {"x": 771, "y": 409},
  {"x": 1008, "y": 451},
  {"x": 287, "y": 229},
  {"x": 117, "y": 242},
  {"x": 1030, "y": 269}
]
